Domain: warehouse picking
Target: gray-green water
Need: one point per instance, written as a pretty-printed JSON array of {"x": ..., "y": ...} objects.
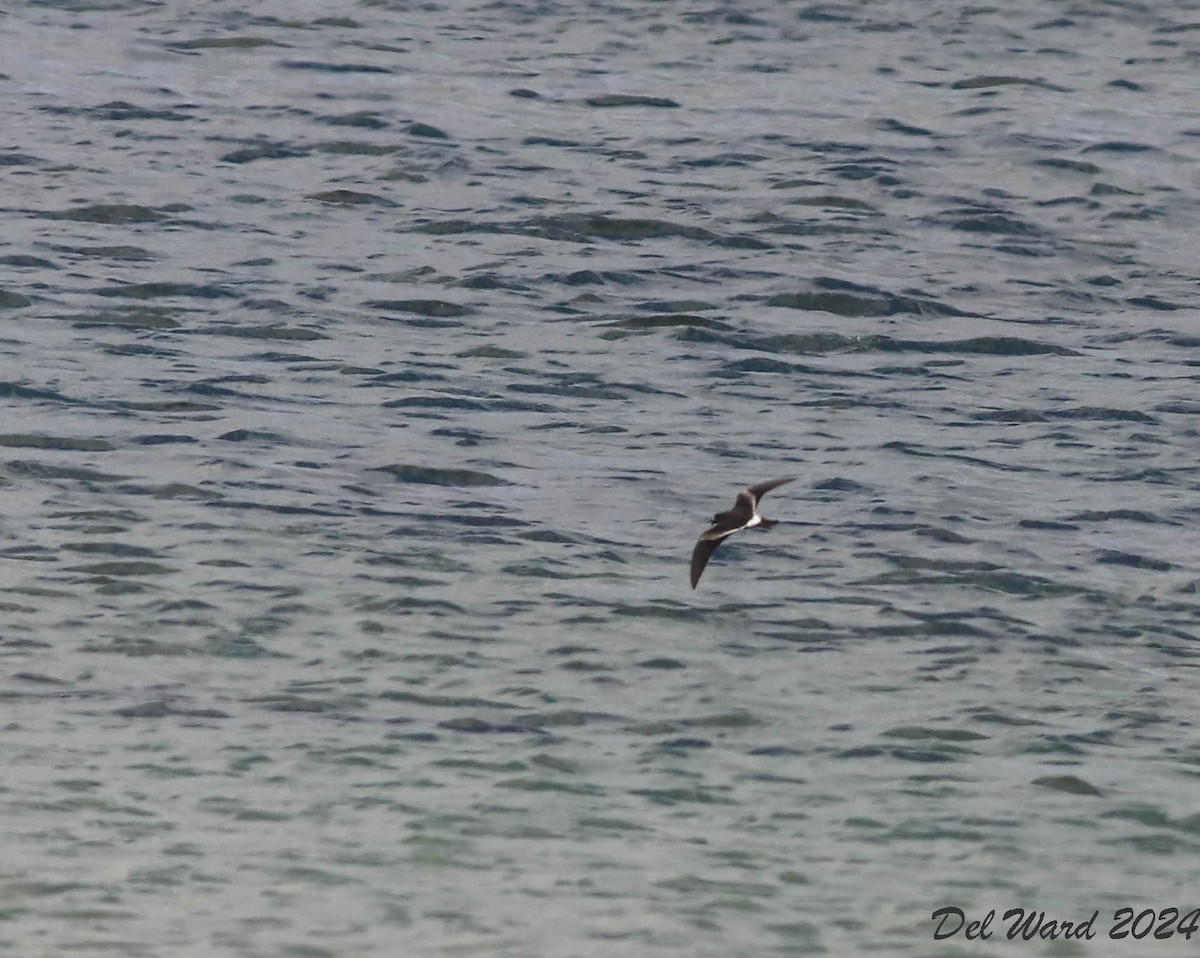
[{"x": 368, "y": 372}]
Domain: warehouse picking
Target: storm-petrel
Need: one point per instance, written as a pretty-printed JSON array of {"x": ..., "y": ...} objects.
[{"x": 743, "y": 515}]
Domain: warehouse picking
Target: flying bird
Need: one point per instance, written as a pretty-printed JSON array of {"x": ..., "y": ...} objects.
[{"x": 743, "y": 515}]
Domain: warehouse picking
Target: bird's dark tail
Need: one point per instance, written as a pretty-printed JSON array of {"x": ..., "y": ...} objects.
[{"x": 767, "y": 523}]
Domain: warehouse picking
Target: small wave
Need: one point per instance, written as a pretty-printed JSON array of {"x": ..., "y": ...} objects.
[{"x": 431, "y": 475}]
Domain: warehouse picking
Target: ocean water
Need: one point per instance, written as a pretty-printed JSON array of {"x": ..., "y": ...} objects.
[{"x": 367, "y": 373}]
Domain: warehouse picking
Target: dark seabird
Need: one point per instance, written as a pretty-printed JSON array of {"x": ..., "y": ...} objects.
[{"x": 743, "y": 515}]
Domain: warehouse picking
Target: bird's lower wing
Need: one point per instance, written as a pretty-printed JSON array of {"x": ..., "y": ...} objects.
[
  {"x": 700, "y": 556},
  {"x": 705, "y": 547}
]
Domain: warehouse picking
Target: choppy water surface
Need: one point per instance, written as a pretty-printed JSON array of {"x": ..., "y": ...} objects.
[{"x": 369, "y": 371}]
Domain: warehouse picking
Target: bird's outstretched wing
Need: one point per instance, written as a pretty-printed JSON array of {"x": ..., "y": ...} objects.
[
  {"x": 707, "y": 544},
  {"x": 764, "y": 487},
  {"x": 700, "y": 556}
]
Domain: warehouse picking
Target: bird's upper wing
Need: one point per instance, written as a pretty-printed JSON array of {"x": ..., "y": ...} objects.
[{"x": 764, "y": 487}]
